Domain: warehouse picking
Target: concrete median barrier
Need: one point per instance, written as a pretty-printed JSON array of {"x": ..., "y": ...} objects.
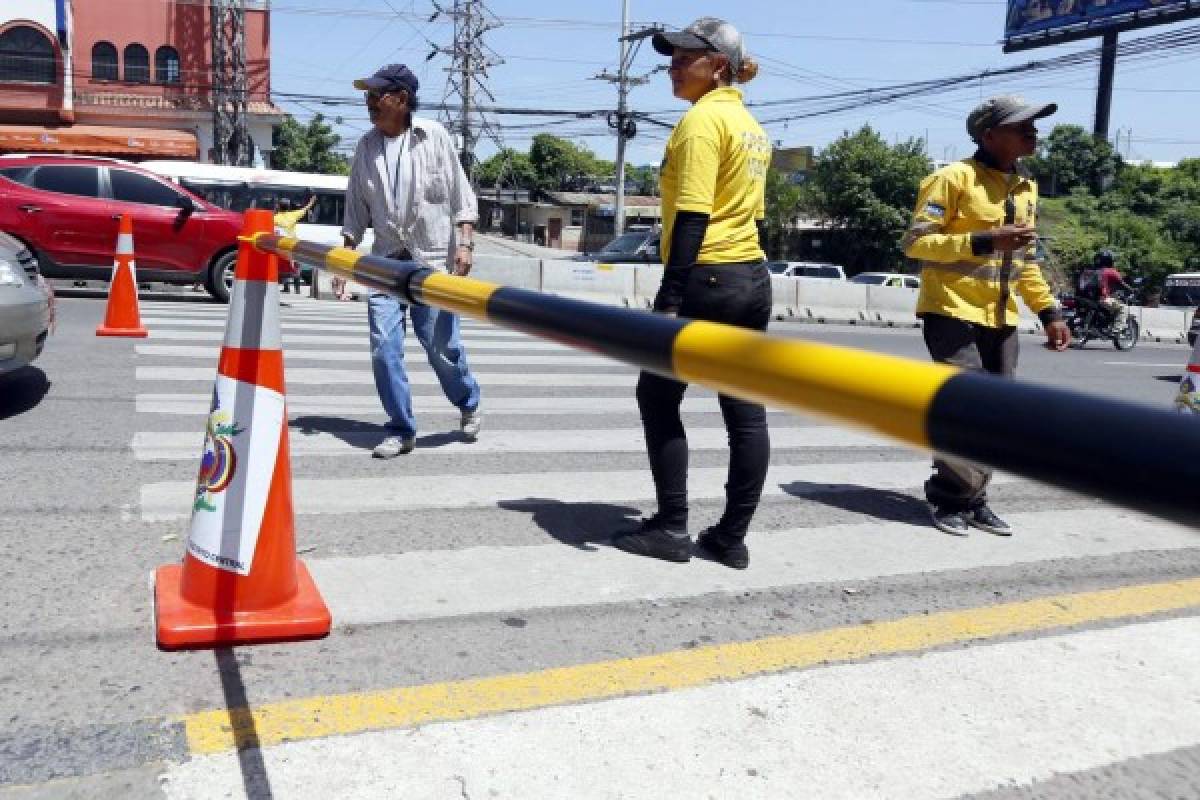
[
  {"x": 891, "y": 306},
  {"x": 830, "y": 301},
  {"x": 1162, "y": 324},
  {"x": 589, "y": 280}
]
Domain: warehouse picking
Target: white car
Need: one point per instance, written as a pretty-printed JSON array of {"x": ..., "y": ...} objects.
[
  {"x": 26, "y": 306},
  {"x": 887, "y": 279},
  {"x": 806, "y": 269}
]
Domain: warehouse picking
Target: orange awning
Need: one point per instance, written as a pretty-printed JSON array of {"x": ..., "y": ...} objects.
[{"x": 99, "y": 139}]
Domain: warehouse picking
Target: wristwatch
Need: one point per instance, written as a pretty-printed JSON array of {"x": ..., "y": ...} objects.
[{"x": 468, "y": 245}]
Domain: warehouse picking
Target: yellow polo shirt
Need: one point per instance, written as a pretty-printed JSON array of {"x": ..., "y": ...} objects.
[{"x": 716, "y": 163}]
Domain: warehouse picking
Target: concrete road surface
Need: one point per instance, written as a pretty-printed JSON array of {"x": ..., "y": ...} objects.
[{"x": 489, "y": 643}]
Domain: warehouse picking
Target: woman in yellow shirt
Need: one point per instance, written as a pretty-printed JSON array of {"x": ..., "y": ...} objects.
[{"x": 712, "y": 180}]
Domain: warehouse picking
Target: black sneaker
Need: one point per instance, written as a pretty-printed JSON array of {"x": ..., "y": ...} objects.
[
  {"x": 655, "y": 542},
  {"x": 733, "y": 555},
  {"x": 949, "y": 521},
  {"x": 986, "y": 520}
]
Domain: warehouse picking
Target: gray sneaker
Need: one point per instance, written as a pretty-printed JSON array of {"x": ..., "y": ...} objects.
[
  {"x": 470, "y": 424},
  {"x": 394, "y": 446}
]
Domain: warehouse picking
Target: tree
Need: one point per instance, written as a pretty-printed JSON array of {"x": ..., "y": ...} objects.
[
  {"x": 1070, "y": 158},
  {"x": 783, "y": 203},
  {"x": 560, "y": 164},
  {"x": 868, "y": 188},
  {"x": 507, "y": 169},
  {"x": 307, "y": 148}
]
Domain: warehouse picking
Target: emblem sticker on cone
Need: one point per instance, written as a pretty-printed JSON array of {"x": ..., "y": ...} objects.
[{"x": 241, "y": 444}]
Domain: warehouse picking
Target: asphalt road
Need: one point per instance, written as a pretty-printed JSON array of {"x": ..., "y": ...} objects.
[{"x": 487, "y": 642}]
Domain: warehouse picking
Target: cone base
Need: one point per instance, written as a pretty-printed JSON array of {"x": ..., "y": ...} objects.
[
  {"x": 181, "y": 624},
  {"x": 140, "y": 333}
]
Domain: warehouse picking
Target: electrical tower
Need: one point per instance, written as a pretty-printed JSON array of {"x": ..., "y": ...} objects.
[
  {"x": 231, "y": 133},
  {"x": 622, "y": 121},
  {"x": 470, "y": 60}
]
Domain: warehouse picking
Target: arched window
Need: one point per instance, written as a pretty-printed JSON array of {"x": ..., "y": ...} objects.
[
  {"x": 137, "y": 64},
  {"x": 27, "y": 55},
  {"x": 104, "y": 62},
  {"x": 166, "y": 65}
]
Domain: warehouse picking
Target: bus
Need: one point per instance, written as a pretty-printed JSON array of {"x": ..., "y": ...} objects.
[{"x": 240, "y": 188}]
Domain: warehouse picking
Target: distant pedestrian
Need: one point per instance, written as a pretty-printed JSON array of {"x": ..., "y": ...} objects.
[
  {"x": 713, "y": 180},
  {"x": 287, "y": 217},
  {"x": 407, "y": 184},
  {"x": 974, "y": 232}
]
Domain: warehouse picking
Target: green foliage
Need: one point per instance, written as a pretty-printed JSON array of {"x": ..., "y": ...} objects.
[
  {"x": 560, "y": 164},
  {"x": 1071, "y": 158},
  {"x": 307, "y": 148},
  {"x": 507, "y": 169},
  {"x": 784, "y": 200},
  {"x": 864, "y": 185}
]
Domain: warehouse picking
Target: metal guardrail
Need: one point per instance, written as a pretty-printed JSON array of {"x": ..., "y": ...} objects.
[{"x": 1130, "y": 454}]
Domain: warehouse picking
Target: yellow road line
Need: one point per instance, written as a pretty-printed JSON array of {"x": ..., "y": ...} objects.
[{"x": 322, "y": 716}]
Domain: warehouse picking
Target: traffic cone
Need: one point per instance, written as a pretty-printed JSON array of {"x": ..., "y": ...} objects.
[
  {"x": 122, "y": 318},
  {"x": 240, "y": 580},
  {"x": 1188, "y": 398}
]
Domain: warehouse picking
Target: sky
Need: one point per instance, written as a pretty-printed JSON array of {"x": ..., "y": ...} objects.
[{"x": 552, "y": 51}]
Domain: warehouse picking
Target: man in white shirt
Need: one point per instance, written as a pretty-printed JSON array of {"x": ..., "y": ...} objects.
[{"x": 407, "y": 184}]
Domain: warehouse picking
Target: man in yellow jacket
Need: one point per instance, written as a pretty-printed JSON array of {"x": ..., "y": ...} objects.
[{"x": 974, "y": 232}]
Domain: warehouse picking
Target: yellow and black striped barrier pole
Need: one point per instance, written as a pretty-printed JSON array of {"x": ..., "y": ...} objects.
[{"x": 1129, "y": 454}]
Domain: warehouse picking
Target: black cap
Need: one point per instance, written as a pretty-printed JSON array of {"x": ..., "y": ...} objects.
[
  {"x": 1005, "y": 109},
  {"x": 391, "y": 78},
  {"x": 1105, "y": 258}
]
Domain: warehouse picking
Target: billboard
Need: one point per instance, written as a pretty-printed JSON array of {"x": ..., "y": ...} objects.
[{"x": 1061, "y": 20}]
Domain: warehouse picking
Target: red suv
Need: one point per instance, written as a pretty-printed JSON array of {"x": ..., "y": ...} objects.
[{"x": 66, "y": 209}]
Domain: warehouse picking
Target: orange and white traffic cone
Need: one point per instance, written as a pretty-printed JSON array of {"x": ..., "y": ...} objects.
[
  {"x": 1188, "y": 398},
  {"x": 240, "y": 580},
  {"x": 122, "y": 318}
]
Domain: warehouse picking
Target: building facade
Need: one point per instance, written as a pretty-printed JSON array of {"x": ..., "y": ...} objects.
[{"x": 127, "y": 78}]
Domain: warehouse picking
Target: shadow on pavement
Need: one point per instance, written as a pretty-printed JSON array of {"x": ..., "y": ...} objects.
[
  {"x": 580, "y": 525},
  {"x": 1169, "y": 378},
  {"x": 61, "y": 291},
  {"x": 882, "y": 504},
  {"x": 21, "y": 390},
  {"x": 365, "y": 435},
  {"x": 255, "y": 779}
]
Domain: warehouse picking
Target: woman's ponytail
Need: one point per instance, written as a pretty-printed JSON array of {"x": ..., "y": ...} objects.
[{"x": 747, "y": 70}]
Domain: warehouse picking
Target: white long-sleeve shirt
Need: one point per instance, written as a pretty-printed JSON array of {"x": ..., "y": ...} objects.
[{"x": 439, "y": 198}]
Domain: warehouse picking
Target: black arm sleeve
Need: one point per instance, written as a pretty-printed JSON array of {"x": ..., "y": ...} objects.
[
  {"x": 762, "y": 234},
  {"x": 686, "y": 238}
]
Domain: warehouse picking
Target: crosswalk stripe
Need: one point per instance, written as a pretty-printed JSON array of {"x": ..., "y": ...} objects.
[
  {"x": 481, "y": 580},
  {"x": 363, "y": 355},
  {"x": 343, "y": 404},
  {"x": 410, "y": 342},
  {"x": 490, "y": 333},
  {"x": 300, "y": 376},
  {"x": 174, "y": 446},
  {"x": 908, "y": 726},
  {"x": 173, "y": 500}
]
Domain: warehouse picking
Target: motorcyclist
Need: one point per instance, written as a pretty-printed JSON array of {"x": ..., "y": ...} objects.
[{"x": 1099, "y": 284}]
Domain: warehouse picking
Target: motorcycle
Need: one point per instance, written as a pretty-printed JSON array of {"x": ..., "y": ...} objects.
[{"x": 1089, "y": 320}]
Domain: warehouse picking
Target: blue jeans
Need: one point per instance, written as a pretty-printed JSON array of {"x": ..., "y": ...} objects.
[{"x": 437, "y": 331}]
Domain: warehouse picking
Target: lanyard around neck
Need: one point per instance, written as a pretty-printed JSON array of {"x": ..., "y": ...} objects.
[{"x": 394, "y": 174}]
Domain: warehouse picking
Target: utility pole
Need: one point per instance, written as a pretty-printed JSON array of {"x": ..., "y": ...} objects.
[
  {"x": 470, "y": 60},
  {"x": 231, "y": 133},
  {"x": 622, "y": 122}
]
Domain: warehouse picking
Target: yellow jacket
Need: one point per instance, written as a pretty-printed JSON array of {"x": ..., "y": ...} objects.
[{"x": 960, "y": 275}]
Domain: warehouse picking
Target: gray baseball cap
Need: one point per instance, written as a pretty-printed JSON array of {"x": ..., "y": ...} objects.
[
  {"x": 706, "y": 33},
  {"x": 1005, "y": 109}
]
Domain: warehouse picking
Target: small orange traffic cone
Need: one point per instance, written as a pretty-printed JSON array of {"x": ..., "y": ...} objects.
[
  {"x": 122, "y": 318},
  {"x": 1188, "y": 398},
  {"x": 240, "y": 580}
]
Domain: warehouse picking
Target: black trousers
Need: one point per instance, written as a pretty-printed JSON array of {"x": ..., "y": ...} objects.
[
  {"x": 958, "y": 484},
  {"x": 737, "y": 294}
]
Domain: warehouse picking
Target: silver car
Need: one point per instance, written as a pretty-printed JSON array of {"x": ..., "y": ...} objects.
[{"x": 26, "y": 306}]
